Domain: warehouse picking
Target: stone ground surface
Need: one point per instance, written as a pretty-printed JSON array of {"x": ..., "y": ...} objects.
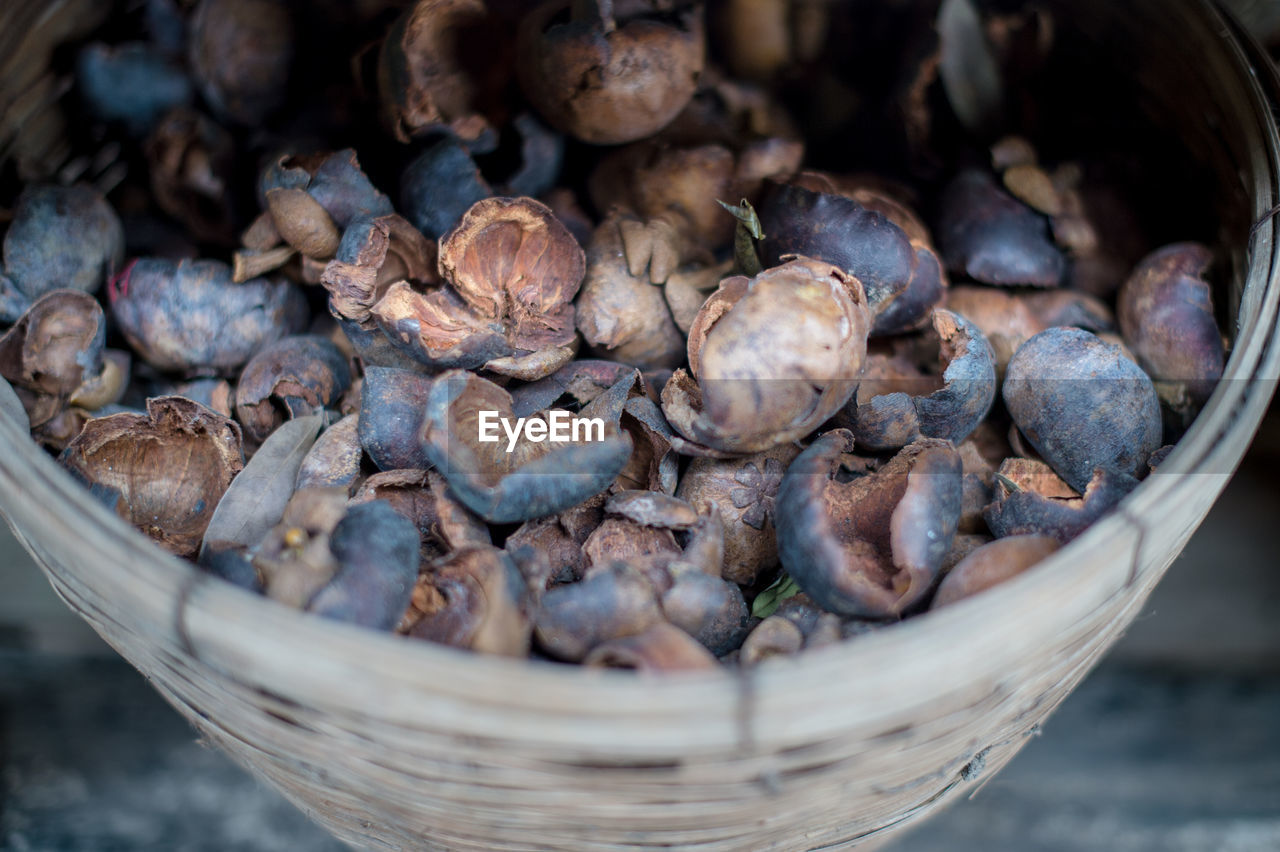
[{"x": 1172, "y": 745}]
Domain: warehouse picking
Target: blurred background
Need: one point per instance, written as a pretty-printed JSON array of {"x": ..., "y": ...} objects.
[{"x": 1171, "y": 745}]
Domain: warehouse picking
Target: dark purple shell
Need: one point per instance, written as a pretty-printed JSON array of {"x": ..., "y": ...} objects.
[
  {"x": 1166, "y": 315},
  {"x": 1026, "y": 512},
  {"x": 392, "y": 403},
  {"x": 991, "y": 237},
  {"x": 377, "y": 553},
  {"x": 1083, "y": 405},
  {"x": 439, "y": 186},
  {"x": 838, "y": 230}
]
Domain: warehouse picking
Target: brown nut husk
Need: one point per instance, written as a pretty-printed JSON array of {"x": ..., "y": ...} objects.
[
  {"x": 372, "y": 255},
  {"x": 191, "y": 161},
  {"x": 560, "y": 538},
  {"x": 606, "y": 81},
  {"x": 292, "y": 377},
  {"x": 421, "y": 496},
  {"x": 480, "y": 603},
  {"x": 390, "y": 420},
  {"x": 873, "y": 546},
  {"x": 744, "y": 490},
  {"x": 240, "y": 52},
  {"x": 621, "y": 315},
  {"x": 429, "y": 76},
  {"x": 302, "y": 222},
  {"x": 1074, "y": 308},
  {"x": 887, "y": 418},
  {"x": 512, "y": 271},
  {"x": 1005, "y": 319},
  {"x": 54, "y": 349},
  {"x": 1166, "y": 315},
  {"x": 773, "y": 358},
  {"x": 991, "y": 565},
  {"x": 660, "y": 648},
  {"x": 622, "y": 540},
  {"x": 163, "y": 472},
  {"x": 506, "y": 479},
  {"x": 669, "y": 194}
]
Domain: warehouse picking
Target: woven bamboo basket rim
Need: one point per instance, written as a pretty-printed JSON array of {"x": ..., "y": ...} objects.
[
  {"x": 212, "y": 648},
  {"x": 206, "y": 606}
]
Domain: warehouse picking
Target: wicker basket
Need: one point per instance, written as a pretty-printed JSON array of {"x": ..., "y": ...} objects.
[{"x": 391, "y": 743}]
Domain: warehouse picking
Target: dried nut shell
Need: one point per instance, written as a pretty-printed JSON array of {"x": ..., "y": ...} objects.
[
  {"x": 377, "y": 554},
  {"x": 240, "y": 52},
  {"x": 560, "y": 539},
  {"x": 874, "y": 546},
  {"x": 423, "y": 83},
  {"x": 440, "y": 185},
  {"x": 294, "y": 559},
  {"x": 372, "y": 255},
  {"x": 991, "y": 565},
  {"x": 420, "y": 495},
  {"x": 1082, "y": 405},
  {"x": 1005, "y": 319},
  {"x": 708, "y": 608},
  {"x": 302, "y": 222},
  {"x": 654, "y": 463},
  {"x": 652, "y": 509},
  {"x": 60, "y": 238},
  {"x": 621, "y": 315},
  {"x": 778, "y": 363},
  {"x": 1053, "y": 308},
  {"x": 776, "y": 636},
  {"x": 334, "y": 459},
  {"x": 55, "y": 348},
  {"x": 991, "y": 237},
  {"x": 607, "y": 85},
  {"x": 661, "y": 648},
  {"x": 166, "y": 469},
  {"x": 391, "y": 411},
  {"x": 189, "y": 316},
  {"x": 109, "y": 386},
  {"x": 513, "y": 271},
  {"x": 1166, "y": 316},
  {"x": 192, "y": 161},
  {"x": 536, "y": 477},
  {"x": 621, "y": 540},
  {"x": 864, "y": 241},
  {"x": 292, "y": 377},
  {"x": 888, "y": 419},
  {"x": 1025, "y": 512},
  {"x": 612, "y": 603},
  {"x": 744, "y": 490},
  {"x": 482, "y": 605},
  {"x": 669, "y": 192}
]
